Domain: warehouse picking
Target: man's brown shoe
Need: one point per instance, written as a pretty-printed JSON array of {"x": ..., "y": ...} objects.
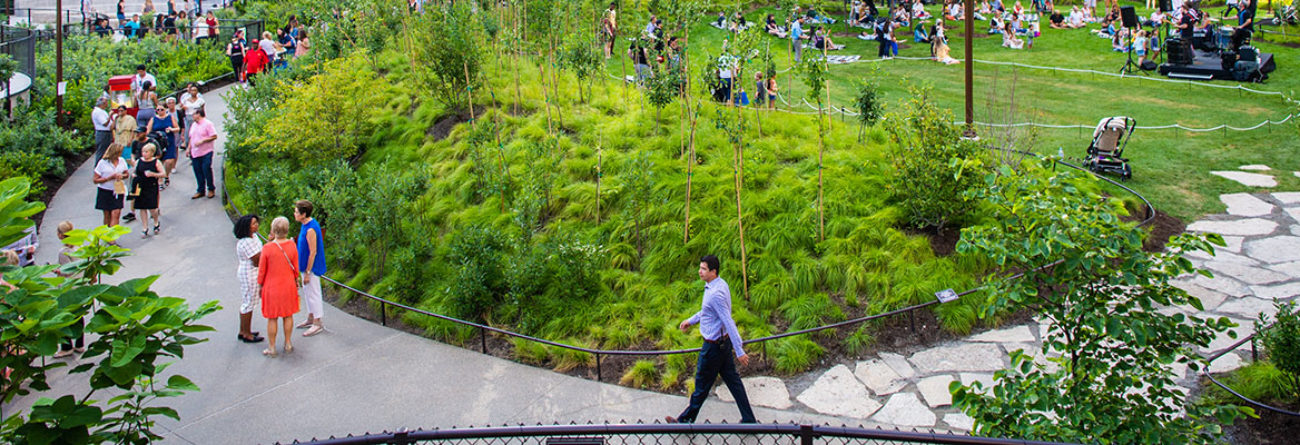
[
  {"x": 212, "y": 194},
  {"x": 197, "y": 196},
  {"x": 670, "y": 419}
]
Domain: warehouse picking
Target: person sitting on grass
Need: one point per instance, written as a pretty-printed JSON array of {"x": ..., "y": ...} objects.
[
  {"x": 996, "y": 24},
  {"x": 1017, "y": 9},
  {"x": 1009, "y": 38},
  {"x": 900, "y": 17},
  {"x": 822, "y": 41},
  {"x": 919, "y": 35},
  {"x": 1157, "y": 18},
  {"x": 939, "y": 46},
  {"x": 772, "y": 28},
  {"x": 1119, "y": 42},
  {"x": 1076, "y": 18},
  {"x": 721, "y": 21},
  {"x": 738, "y": 23},
  {"x": 1057, "y": 20},
  {"x": 918, "y": 11},
  {"x": 1017, "y": 24}
]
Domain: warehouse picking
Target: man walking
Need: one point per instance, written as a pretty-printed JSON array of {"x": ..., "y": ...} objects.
[
  {"x": 721, "y": 341},
  {"x": 311, "y": 261},
  {"x": 203, "y": 136},
  {"x": 103, "y": 132}
]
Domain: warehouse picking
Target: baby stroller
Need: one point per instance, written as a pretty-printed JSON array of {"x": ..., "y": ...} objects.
[{"x": 1105, "y": 155}]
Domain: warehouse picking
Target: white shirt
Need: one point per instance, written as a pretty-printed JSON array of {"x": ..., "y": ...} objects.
[
  {"x": 137, "y": 82},
  {"x": 105, "y": 169},
  {"x": 191, "y": 107},
  {"x": 99, "y": 117}
]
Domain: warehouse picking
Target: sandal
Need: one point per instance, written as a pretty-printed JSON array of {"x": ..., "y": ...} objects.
[
  {"x": 288, "y": 349},
  {"x": 155, "y": 228},
  {"x": 269, "y": 353}
]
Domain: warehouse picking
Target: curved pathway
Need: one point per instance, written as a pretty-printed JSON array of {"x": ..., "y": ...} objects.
[
  {"x": 360, "y": 376},
  {"x": 356, "y": 377}
]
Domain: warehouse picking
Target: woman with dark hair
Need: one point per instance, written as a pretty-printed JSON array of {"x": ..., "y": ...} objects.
[
  {"x": 248, "y": 250},
  {"x": 235, "y": 50}
]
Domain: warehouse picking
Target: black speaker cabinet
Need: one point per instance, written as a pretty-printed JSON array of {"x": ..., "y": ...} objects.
[{"x": 1129, "y": 16}]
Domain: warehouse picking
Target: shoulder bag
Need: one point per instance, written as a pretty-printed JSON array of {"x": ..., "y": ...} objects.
[{"x": 297, "y": 277}]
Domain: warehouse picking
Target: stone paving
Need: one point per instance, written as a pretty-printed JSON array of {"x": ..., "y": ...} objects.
[{"x": 1260, "y": 264}]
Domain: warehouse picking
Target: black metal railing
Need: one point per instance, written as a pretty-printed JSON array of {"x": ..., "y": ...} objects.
[
  {"x": 1254, "y": 356},
  {"x": 599, "y": 353},
  {"x": 19, "y": 44},
  {"x": 668, "y": 434}
]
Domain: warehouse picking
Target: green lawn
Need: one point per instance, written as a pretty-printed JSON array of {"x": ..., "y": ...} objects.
[{"x": 1171, "y": 166}]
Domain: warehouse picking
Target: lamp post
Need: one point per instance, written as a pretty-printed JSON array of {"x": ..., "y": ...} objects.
[
  {"x": 58, "y": 63},
  {"x": 969, "y": 13}
]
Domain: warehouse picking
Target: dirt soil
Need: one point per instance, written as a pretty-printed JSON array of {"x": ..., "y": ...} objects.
[
  {"x": 1162, "y": 228},
  {"x": 1270, "y": 428}
]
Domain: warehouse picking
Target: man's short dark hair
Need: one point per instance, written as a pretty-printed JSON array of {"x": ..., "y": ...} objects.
[
  {"x": 711, "y": 262},
  {"x": 139, "y": 67},
  {"x": 304, "y": 207}
]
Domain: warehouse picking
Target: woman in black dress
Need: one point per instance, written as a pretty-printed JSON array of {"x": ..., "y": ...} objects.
[{"x": 147, "y": 172}]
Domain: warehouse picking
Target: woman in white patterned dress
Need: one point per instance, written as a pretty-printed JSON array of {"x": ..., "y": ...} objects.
[{"x": 249, "y": 251}]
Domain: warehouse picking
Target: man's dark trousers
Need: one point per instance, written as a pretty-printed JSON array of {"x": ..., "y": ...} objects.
[
  {"x": 102, "y": 141},
  {"x": 717, "y": 358}
]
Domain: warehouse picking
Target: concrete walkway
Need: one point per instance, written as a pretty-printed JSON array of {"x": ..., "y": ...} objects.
[{"x": 356, "y": 377}]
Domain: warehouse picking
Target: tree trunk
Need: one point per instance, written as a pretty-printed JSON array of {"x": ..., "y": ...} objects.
[{"x": 690, "y": 167}]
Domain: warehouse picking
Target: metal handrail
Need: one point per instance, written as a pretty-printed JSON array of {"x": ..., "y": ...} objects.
[
  {"x": 805, "y": 433},
  {"x": 1254, "y": 356},
  {"x": 484, "y": 329}
]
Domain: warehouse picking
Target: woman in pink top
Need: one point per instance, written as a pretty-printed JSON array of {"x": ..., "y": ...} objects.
[{"x": 203, "y": 138}]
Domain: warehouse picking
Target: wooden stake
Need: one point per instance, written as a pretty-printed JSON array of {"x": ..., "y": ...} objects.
[
  {"x": 470, "y": 90},
  {"x": 599, "y": 173}
]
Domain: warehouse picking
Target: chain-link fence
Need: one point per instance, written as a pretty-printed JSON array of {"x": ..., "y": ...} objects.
[
  {"x": 666, "y": 434},
  {"x": 20, "y": 44}
]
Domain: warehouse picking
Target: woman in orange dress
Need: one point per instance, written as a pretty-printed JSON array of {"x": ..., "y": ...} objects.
[{"x": 277, "y": 273}]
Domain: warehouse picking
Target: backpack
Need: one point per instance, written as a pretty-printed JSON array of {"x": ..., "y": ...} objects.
[{"x": 1148, "y": 65}]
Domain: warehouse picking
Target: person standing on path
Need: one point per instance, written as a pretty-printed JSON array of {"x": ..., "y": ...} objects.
[
  {"x": 147, "y": 172},
  {"x": 202, "y": 143},
  {"x": 721, "y": 341},
  {"x": 103, "y": 131},
  {"x": 248, "y": 250},
  {"x": 78, "y": 344},
  {"x": 277, "y": 273},
  {"x": 166, "y": 125},
  {"x": 110, "y": 177},
  {"x": 311, "y": 265},
  {"x": 192, "y": 101}
]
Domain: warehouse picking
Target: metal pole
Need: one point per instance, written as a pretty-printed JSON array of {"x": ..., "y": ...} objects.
[
  {"x": 383, "y": 313},
  {"x": 806, "y": 431},
  {"x": 58, "y": 64},
  {"x": 969, "y": 12},
  {"x": 598, "y": 367},
  {"x": 483, "y": 331}
]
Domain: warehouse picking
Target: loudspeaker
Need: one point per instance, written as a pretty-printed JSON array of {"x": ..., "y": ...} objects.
[
  {"x": 1166, "y": 5},
  {"x": 1129, "y": 16}
]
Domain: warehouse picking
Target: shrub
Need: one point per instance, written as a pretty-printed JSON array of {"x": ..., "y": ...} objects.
[
  {"x": 477, "y": 253},
  {"x": 641, "y": 375},
  {"x": 29, "y": 166},
  {"x": 326, "y": 117},
  {"x": 858, "y": 342},
  {"x": 1282, "y": 342},
  {"x": 446, "y": 53},
  {"x": 933, "y": 167},
  {"x": 796, "y": 354}
]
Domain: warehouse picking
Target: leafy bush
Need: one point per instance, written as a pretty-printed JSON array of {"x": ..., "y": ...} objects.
[
  {"x": 796, "y": 354},
  {"x": 445, "y": 51},
  {"x": 859, "y": 341},
  {"x": 29, "y": 166},
  {"x": 643, "y": 374},
  {"x": 1282, "y": 342},
  {"x": 1113, "y": 343},
  {"x": 478, "y": 253},
  {"x": 869, "y": 104},
  {"x": 933, "y": 167},
  {"x": 130, "y": 330},
  {"x": 324, "y": 118}
]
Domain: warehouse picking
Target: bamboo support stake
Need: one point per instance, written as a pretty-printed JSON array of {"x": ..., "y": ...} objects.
[{"x": 470, "y": 90}]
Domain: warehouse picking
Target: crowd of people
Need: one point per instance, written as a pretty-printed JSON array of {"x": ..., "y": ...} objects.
[
  {"x": 180, "y": 20},
  {"x": 134, "y": 162}
]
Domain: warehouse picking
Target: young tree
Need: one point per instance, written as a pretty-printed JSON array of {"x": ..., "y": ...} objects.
[
  {"x": 447, "y": 51},
  {"x": 133, "y": 329},
  {"x": 814, "y": 76},
  {"x": 337, "y": 103},
  {"x": 1109, "y": 346}
]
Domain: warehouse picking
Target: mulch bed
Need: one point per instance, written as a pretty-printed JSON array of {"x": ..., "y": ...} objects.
[{"x": 1270, "y": 428}]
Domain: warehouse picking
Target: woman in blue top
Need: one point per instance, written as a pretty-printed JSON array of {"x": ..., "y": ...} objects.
[
  {"x": 165, "y": 122},
  {"x": 311, "y": 261}
]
